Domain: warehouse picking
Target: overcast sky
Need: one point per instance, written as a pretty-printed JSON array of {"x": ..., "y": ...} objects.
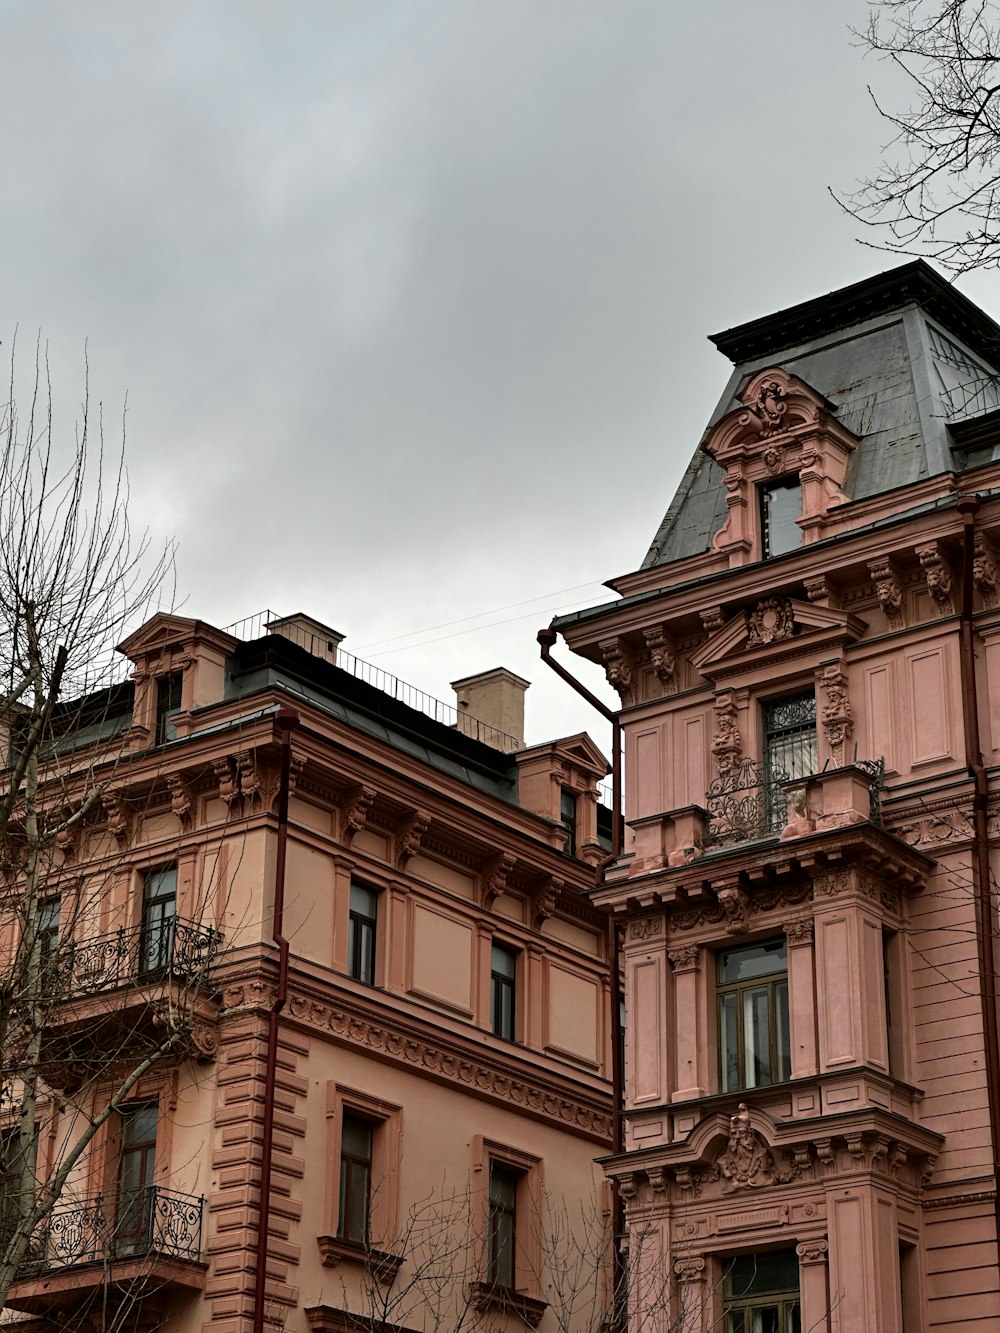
[{"x": 410, "y": 300}]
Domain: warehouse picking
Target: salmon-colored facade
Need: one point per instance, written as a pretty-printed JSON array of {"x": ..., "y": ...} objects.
[
  {"x": 423, "y": 1073},
  {"x": 809, "y": 671}
]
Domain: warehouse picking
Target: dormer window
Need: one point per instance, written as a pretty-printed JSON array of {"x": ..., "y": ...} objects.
[
  {"x": 780, "y": 507},
  {"x": 168, "y": 704}
]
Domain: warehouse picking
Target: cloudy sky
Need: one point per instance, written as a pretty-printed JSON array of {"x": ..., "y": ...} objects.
[{"x": 410, "y": 297}]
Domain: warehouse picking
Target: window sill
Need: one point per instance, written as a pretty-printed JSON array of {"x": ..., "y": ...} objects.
[
  {"x": 487, "y": 1296},
  {"x": 334, "y": 1250}
]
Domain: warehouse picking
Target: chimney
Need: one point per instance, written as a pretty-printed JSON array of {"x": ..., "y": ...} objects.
[
  {"x": 496, "y": 699},
  {"x": 310, "y": 634}
]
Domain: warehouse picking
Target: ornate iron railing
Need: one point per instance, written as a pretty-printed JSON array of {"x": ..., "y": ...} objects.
[
  {"x": 750, "y": 801},
  {"x": 174, "y": 950},
  {"x": 131, "y": 1225}
]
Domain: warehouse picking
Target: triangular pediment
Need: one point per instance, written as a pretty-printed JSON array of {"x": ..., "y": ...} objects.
[
  {"x": 579, "y": 751},
  {"x": 164, "y": 631},
  {"x": 774, "y": 627}
]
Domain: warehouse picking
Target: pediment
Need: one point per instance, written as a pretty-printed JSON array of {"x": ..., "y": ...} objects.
[
  {"x": 581, "y": 751},
  {"x": 774, "y": 627},
  {"x": 165, "y": 631},
  {"x": 774, "y": 404}
]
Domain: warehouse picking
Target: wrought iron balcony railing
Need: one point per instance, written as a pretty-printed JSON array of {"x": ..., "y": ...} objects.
[
  {"x": 137, "y": 1224},
  {"x": 746, "y": 802},
  {"x": 172, "y": 950}
]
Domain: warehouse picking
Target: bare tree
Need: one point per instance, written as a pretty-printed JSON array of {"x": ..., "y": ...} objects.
[
  {"x": 937, "y": 192},
  {"x": 73, "y": 575}
]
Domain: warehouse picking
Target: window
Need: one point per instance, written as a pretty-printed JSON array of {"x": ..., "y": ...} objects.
[
  {"x": 789, "y": 727},
  {"x": 761, "y": 1293},
  {"x": 361, "y": 934},
  {"x": 136, "y": 1174},
  {"x": 754, "y": 1047},
  {"x": 11, "y": 1161},
  {"x": 355, "y": 1178},
  {"x": 502, "y": 1224},
  {"x": 503, "y": 975},
  {"x": 48, "y": 930},
  {"x": 156, "y": 930},
  {"x": 567, "y": 817},
  {"x": 168, "y": 704},
  {"x": 780, "y": 506}
]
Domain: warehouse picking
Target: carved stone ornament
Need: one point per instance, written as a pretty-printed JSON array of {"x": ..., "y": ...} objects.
[
  {"x": 938, "y": 575},
  {"x": 818, "y": 589},
  {"x": 645, "y": 927},
  {"x": 984, "y": 570},
  {"x": 411, "y": 836},
  {"x": 356, "y": 806},
  {"x": 225, "y": 773},
  {"x": 733, "y": 902},
  {"x": 544, "y": 899},
  {"x": 662, "y": 657},
  {"x": 727, "y": 744},
  {"x": 181, "y": 798},
  {"x": 800, "y": 932},
  {"x": 837, "y": 715},
  {"x": 767, "y": 410},
  {"x": 812, "y": 1251},
  {"x": 686, "y": 958},
  {"x": 771, "y": 621},
  {"x": 773, "y": 460},
  {"x": 117, "y": 814},
  {"x": 746, "y": 1161},
  {"x": 689, "y": 1270},
  {"x": 888, "y": 590},
  {"x": 712, "y": 618},
  {"x": 495, "y": 878},
  {"x": 250, "y": 778},
  {"x": 618, "y": 669}
]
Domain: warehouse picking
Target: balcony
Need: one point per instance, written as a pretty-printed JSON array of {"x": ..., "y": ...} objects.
[
  {"x": 179, "y": 951},
  {"x": 117, "y": 991},
  {"x": 143, "y": 1245}
]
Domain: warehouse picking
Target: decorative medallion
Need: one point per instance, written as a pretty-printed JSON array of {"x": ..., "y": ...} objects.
[{"x": 771, "y": 621}]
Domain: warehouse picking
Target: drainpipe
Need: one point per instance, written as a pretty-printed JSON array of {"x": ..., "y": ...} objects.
[
  {"x": 546, "y": 639},
  {"x": 285, "y": 722},
  {"x": 982, "y": 879}
]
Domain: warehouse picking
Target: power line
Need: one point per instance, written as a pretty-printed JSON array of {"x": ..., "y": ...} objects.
[
  {"x": 446, "y": 624},
  {"x": 511, "y": 620}
]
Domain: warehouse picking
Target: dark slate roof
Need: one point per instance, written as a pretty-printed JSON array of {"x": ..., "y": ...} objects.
[{"x": 902, "y": 357}]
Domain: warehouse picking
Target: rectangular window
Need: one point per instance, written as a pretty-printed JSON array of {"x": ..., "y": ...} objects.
[
  {"x": 12, "y": 1206},
  {"x": 567, "y": 817},
  {"x": 503, "y": 978},
  {"x": 790, "y": 750},
  {"x": 362, "y": 924},
  {"x": 136, "y": 1177},
  {"x": 156, "y": 931},
  {"x": 761, "y": 1293},
  {"x": 754, "y": 1046},
  {"x": 502, "y": 1224},
  {"x": 48, "y": 930},
  {"x": 168, "y": 704},
  {"x": 355, "y": 1178},
  {"x": 780, "y": 506}
]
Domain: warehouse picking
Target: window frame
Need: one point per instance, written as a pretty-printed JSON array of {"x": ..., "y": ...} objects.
[
  {"x": 503, "y": 986},
  {"x": 772, "y": 982},
  {"x": 169, "y": 685},
  {"x": 360, "y": 925},
  {"x": 788, "y": 1299},
  {"x": 386, "y": 1120},
  {"x": 527, "y": 1254},
  {"x": 569, "y": 818},
  {"x": 352, "y": 1163},
  {"x": 791, "y": 481},
  {"x": 159, "y": 927},
  {"x": 772, "y": 737}
]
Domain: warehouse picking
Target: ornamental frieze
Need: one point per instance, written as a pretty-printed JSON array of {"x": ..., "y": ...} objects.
[{"x": 467, "y": 1072}]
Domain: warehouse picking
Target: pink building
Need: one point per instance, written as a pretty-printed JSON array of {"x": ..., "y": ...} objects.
[
  {"x": 394, "y": 991},
  {"x": 808, "y": 663}
]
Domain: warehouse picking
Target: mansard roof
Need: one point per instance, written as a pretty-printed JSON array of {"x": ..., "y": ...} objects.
[{"x": 901, "y": 357}]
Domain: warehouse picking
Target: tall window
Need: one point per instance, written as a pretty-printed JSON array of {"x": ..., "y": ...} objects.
[
  {"x": 159, "y": 911},
  {"x": 780, "y": 506},
  {"x": 11, "y": 1160},
  {"x": 355, "y": 1178},
  {"x": 503, "y": 978},
  {"x": 761, "y": 1293},
  {"x": 754, "y": 1048},
  {"x": 362, "y": 924},
  {"x": 168, "y": 704},
  {"x": 136, "y": 1175},
  {"x": 502, "y": 1224},
  {"x": 48, "y": 930},
  {"x": 567, "y": 817},
  {"x": 789, "y": 749}
]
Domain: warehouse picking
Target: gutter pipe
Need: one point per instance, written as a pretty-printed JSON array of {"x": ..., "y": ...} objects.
[
  {"x": 285, "y": 722},
  {"x": 546, "y": 638},
  {"x": 982, "y": 879}
]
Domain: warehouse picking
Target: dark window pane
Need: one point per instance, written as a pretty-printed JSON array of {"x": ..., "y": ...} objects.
[
  {"x": 502, "y": 992},
  {"x": 355, "y": 1178},
  {"x": 168, "y": 703},
  {"x": 781, "y": 505},
  {"x": 159, "y": 908},
  {"x": 768, "y": 958},
  {"x": 762, "y": 1274},
  {"x": 362, "y": 923},
  {"x": 502, "y": 1219}
]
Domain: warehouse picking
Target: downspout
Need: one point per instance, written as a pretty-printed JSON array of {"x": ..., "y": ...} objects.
[
  {"x": 968, "y": 507},
  {"x": 285, "y": 721},
  {"x": 546, "y": 639}
]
